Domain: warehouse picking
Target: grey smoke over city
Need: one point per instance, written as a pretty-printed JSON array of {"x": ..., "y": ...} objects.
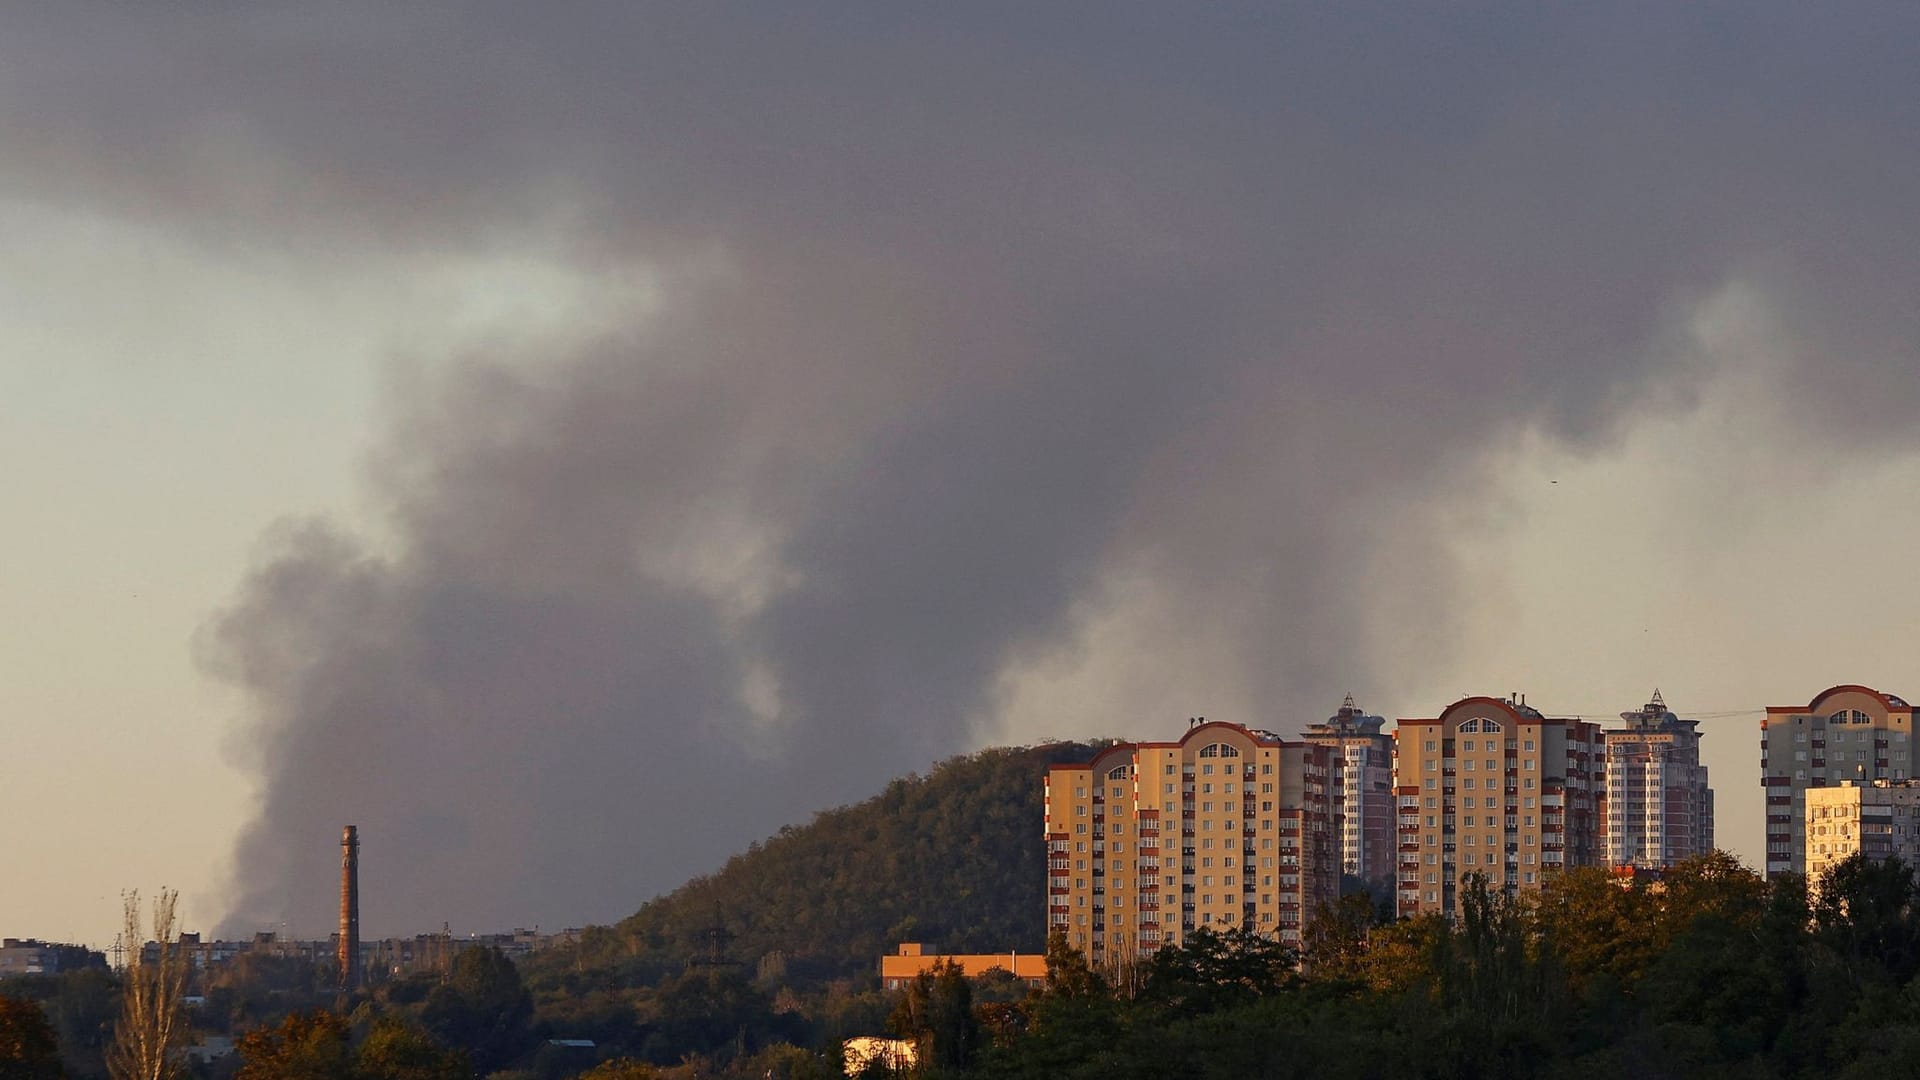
[{"x": 953, "y": 330}]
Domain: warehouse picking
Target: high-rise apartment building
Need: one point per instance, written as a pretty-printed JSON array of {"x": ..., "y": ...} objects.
[
  {"x": 1845, "y": 733},
  {"x": 1492, "y": 787},
  {"x": 1659, "y": 809},
  {"x": 1225, "y": 827},
  {"x": 1880, "y": 819},
  {"x": 1362, "y": 791}
]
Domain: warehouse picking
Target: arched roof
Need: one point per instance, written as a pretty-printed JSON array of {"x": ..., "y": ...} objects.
[
  {"x": 1520, "y": 714},
  {"x": 1215, "y": 728},
  {"x": 1887, "y": 700}
]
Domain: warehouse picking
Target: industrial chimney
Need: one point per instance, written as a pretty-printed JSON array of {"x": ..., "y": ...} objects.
[{"x": 349, "y": 908}]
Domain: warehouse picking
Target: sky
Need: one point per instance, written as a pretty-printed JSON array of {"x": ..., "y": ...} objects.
[{"x": 572, "y": 441}]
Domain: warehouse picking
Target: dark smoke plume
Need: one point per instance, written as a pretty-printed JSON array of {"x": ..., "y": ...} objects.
[{"x": 968, "y": 327}]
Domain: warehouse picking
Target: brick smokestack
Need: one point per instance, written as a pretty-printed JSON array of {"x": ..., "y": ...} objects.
[{"x": 349, "y": 908}]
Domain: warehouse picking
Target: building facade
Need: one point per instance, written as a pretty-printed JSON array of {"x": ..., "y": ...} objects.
[
  {"x": 1492, "y": 787},
  {"x": 1848, "y": 732},
  {"x": 1880, "y": 819},
  {"x": 1226, "y": 827},
  {"x": 1362, "y": 791},
  {"x": 27, "y": 956},
  {"x": 1659, "y": 808},
  {"x": 913, "y": 960}
]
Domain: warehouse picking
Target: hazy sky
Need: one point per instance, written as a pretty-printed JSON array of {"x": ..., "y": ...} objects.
[{"x": 572, "y": 441}]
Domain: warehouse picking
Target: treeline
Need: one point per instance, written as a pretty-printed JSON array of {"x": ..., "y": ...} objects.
[
  {"x": 1713, "y": 972},
  {"x": 949, "y": 858}
]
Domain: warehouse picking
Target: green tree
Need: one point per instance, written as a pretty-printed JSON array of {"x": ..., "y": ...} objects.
[
  {"x": 28, "y": 1049},
  {"x": 1598, "y": 924},
  {"x": 395, "y": 1051},
  {"x": 935, "y": 1012},
  {"x": 1068, "y": 973},
  {"x": 1864, "y": 913},
  {"x": 1336, "y": 941},
  {"x": 1712, "y": 884},
  {"x": 622, "y": 1069},
  {"x": 483, "y": 1009},
  {"x": 1210, "y": 971},
  {"x": 305, "y": 1046},
  {"x": 1072, "y": 1024}
]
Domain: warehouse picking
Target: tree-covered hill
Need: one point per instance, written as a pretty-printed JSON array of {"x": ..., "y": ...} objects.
[{"x": 953, "y": 858}]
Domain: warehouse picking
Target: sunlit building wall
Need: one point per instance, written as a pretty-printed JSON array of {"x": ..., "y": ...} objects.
[
  {"x": 1880, "y": 819},
  {"x": 1362, "y": 794},
  {"x": 1223, "y": 828},
  {"x": 1492, "y": 787},
  {"x": 1659, "y": 807},
  {"x": 1847, "y": 732}
]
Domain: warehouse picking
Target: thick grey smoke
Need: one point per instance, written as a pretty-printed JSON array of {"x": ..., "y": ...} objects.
[{"x": 970, "y": 323}]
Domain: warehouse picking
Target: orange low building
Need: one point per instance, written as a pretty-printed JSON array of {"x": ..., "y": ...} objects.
[{"x": 913, "y": 960}]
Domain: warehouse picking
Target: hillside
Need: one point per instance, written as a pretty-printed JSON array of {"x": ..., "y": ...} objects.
[{"x": 952, "y": 858}]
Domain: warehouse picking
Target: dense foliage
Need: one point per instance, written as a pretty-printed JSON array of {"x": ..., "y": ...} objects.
[
  {"x": 950, "y": 858},
  {"x": 28, "y": 1048},
  {"x": 1710, "y": 973}
]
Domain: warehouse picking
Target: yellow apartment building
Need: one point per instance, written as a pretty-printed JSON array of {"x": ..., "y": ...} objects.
[
  {"x": 1880, "y": 819},
  {"x": 1848, "y": 732},
  {"x": 1493, "y": 787},
  {"x": 1225, "y": 827}
]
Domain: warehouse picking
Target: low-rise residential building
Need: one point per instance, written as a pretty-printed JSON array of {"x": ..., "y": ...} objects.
[{"x": 913, "y": 960}]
